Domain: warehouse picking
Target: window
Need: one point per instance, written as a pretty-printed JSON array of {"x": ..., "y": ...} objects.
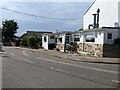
[
  {"x": 60, "y": 40},
  {"x": 67, "y": 39},
  {"x": 52, "y": 37},
  {"x": 45, "y": 39},
  {"x": 109, "y": 36},
  {"x": 90, "y": 37},
  {"x": 55, "y": 40},
  {"x": 76, "y": 38}
]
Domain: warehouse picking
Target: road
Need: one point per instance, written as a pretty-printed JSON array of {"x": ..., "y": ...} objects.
[{"x": 23, "y": 68}]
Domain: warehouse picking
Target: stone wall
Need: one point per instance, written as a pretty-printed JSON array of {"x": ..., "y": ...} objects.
[
  {"x": 99, "y": 50},
  {"x": 93, "y": 49},
  {"x": 60, "y": 47}
]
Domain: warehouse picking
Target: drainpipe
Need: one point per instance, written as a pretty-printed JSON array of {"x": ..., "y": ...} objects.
[{"x": 90, "y": 26}]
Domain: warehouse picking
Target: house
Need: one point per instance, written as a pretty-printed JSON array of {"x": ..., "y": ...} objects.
[
  {"x": 98, "y": 41},
  {"x": 63, "y": 40},
  {"x": 100, "y": 29},
  {"x": 48, "y": 41},
  {"x": 102, "y": 13}
]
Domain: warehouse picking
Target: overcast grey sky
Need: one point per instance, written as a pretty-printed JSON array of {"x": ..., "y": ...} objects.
[{"x": 63, "y": 10}]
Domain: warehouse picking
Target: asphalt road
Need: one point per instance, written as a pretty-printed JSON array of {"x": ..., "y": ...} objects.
[{"x": 29, "y": 69}]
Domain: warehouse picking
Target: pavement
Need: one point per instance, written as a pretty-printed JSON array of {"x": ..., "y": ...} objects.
[{"x": 77, "y": 57}]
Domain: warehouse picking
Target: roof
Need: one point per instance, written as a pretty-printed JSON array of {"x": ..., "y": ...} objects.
[
  {"x": 63, "y": 32},
  {"x": 90, "y": 7},
  {"x": 38, "y": 32},
  {"x": 99, "y": 29}
]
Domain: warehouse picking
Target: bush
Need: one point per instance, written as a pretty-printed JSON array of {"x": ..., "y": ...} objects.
[
  {"x": 33, "y": 42},
  {"x": 24, "y": 42}
]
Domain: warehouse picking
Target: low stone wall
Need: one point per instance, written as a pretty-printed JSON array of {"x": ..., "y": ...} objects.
[
  {"x": 93, "y": 49},
  {"x": 60, "y": 47},
  {"x": 99, "y": 50}
]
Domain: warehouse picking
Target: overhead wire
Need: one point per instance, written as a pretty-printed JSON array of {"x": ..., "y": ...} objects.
[{"x": 72, "y": 19}]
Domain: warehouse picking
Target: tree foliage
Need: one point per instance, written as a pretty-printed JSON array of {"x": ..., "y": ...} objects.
[
  {"x": 33, "y": 41},
  {"x": 24, "y": 42},
  {"x": 30, "y": 41},
  {"x": 9, "y": 28}
]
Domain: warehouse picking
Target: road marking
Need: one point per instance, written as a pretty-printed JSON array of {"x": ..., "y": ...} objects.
[
  {"x": 27, "y": 60},
  {"x": 90, "y": 68},
  {"x": 116, "y": 81},
  {"x": 59, "y": 70},
  {"x": 12, "y": 54},
  {"x": 24, "y": 53}
]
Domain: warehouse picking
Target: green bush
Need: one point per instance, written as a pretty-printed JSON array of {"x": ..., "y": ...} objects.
[
  {"x": 33, "y": 42},
  {"x": 24, "y": 42}
]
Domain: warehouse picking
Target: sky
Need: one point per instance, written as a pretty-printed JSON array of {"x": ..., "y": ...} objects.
[{"x": 61, "y": 11}]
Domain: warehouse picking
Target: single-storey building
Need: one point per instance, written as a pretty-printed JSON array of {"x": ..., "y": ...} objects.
[
  {"x": 100, "y": 34},
  {"x": 48, "y": 41},
  {"x": 98, "y": 41},
  {"x": 63, "y": 40}
]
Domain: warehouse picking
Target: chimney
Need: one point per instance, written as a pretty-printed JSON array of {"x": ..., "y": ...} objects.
[
  {"x": 94, "y": 23},
  {"x": 98, "y": 11}
]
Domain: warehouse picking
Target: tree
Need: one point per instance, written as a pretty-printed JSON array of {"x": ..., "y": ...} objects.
[{"x": 9, "y": 28}]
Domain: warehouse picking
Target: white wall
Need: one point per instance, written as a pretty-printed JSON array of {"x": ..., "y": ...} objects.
[
  {"x": 119, "y": 12},
  {"x": 108, "y": 13},
  {"x": 99, "y": 39},
  {"x": 48, "y": 41},
  {"x": 51, "y": 41},
  {"x": 82, "y": 40},
  {"x": 45, "y": 44}
]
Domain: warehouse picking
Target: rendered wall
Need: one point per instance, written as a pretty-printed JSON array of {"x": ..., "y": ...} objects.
[{"x": 108, "y": 13}]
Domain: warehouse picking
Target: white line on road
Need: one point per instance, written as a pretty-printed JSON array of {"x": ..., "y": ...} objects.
[
  {"x": 24, "y": 53},
  {"x": 59, "y": 70},
  {"x": 116, "y": 81},
  {"x": 27, "y": 60},
  {"x": 90, "y": 68},
  {"x": 12, "y": 54}
]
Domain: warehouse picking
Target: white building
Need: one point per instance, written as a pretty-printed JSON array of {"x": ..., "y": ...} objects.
[
  {"x": 109, "y": 15},
  {"x": 104, "y": 18},
  {"x": 63, "y": 39},
  {"x": 48, "y": 41}
]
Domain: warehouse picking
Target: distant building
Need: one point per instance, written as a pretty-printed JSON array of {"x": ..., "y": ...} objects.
[{"x": 35, "y": 33}]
